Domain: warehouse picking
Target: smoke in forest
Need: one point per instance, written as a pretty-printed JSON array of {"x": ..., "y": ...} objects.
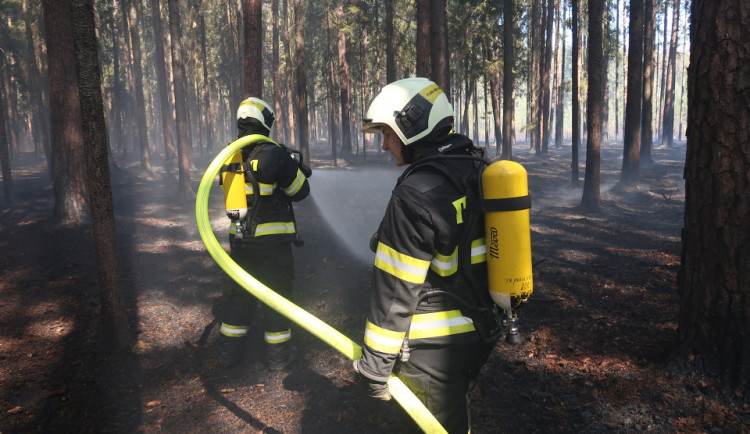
[{"x": 352, "y": 203}]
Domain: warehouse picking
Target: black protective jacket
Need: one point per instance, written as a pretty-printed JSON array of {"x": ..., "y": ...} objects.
[
  {"x": 273, "y": 180},
  {"x": 430, "y": 282}
]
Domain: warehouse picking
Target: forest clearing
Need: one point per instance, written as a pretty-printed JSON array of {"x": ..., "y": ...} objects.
[{"x": 597, "y": 332}]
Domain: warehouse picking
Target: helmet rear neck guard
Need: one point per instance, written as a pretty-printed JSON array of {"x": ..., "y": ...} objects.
[
  {"x": 257, "y": 109},
  {"x": 412, "y": 107}
]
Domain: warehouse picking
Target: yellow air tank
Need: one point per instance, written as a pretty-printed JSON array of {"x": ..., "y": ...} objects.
[
  {"x": 233, "y": 182},
  {"x": 505, "y": 191}
]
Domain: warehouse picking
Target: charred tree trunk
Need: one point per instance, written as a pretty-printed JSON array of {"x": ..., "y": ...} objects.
[
  {"x": 290, "y": 78},
  {"x": 440, "y": 68},
  {"x": 275, "y": 67},
  {"x": 390, "y": 61},
  {"x": 331, "y": 89},
  {"x": 300, "y": 7},
  {"x": 631, "y": 152},
  {"x": 344, "y": 79},
  {"x": 140, "y": 105},
  {"x": 667, "y": 136},
  {"x": 714, "y": 320},
  {"x": 648, "y": 81},
  {"x": 560, "y": 78},
  {"x": 424, "y": 62},
  {"x": 69, "y": 178},
  {"x": 180, "y": 101},
  {"x": 253, "y": 69},
  {"x": 10, "y": 195},
  {"x": 546, "y": 79},
  {"x": 38, "y": 98},
  {"x": 510, "y": 60},
  {"x": 170, "y": 155},
  {"x": 115, "y": 325},
  {"x": 536, "y": 54},
  {"x": 495, "y": 80},
  {"x": 208, "y": 119},
  {"x": 591, "y": 197},
  {"x": 575, "y": 142}
]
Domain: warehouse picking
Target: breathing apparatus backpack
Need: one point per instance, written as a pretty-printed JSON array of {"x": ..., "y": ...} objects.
[
  {"x": 234, "y": 178},
  {"x": 500, "y": 192}
]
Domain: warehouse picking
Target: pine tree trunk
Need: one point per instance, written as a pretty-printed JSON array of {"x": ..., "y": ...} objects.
[
  {"x": 424, "y": 64},
  {"x": 253, "y": 67},
  {"x": 508, "y": 65},
  {"x": 161, "y": 78},
  {"x": 180, "y": 101},
  {"x": 299, "y": 55},
  {"x": 208, "y": 119},
  {"x": 10, "y": 195},
  {"x": 440, "y": 69},
  {"x": 116, "y": 326},
  {"x": 275, "y": 71},
  {"x": 667, "y": 136},
  {"x": 537, "y": 50},
  {"x": 590, "y": 199},
  {"x": 344, "y": 82},
  {"x": 36, "y": 94},
  {"x": 390, "y": 60},
  {"x": 560, "y": 76},
  {"x": 630, "y": 174},
  {"x": 545, "y": 122},
  {"x": 140, "y": 105},
  {"x": 648, "y": 81},
  {"x": 714, "y": 320},
  {"x": 331, "y": 88},
  {"x": 69, "y": 178},
  {"x": 575, "y": 143}
]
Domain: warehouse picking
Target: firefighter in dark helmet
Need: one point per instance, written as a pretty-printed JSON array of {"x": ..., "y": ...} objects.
[
  {"x": 261, "y": 241},
  {"x": 431, "y": 321}
]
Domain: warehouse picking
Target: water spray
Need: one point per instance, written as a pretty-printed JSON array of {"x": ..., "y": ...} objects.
[{"x": 400, "y": 393}]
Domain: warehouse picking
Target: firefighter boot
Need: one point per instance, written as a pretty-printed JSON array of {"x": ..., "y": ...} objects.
[
  {"x": 230, "y": 350},
  {"x": 280, "y": 355}
]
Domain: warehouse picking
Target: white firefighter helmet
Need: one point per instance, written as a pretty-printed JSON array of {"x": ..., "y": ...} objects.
[
  {"x": 257, "y": 109},
  {"x": 412, "y": 107}
]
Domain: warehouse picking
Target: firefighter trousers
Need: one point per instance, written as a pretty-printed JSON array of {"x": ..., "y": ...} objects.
[
  {"x": 440, "y": 376},
  {"x": 272, "y": 265}
]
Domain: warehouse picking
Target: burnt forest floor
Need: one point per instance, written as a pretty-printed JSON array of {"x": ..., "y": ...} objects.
[{"x": 598, "y": 334}]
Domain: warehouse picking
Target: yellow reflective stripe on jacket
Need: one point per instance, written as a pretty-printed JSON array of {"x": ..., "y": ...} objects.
[
  {"x": 445, "y": 265},
  {"x": 277, "y": 337},
  {"x": 296, "y": 184},
  {"x": 265, "y": 189},
  {"x": 233, "y": 228},
  {"x": 400, "y": 265},
  {"x": 478, "y": 251},
  {"x": 382, "y": 340},
  {"x": 435, "y": 324},
  {"x": 233, "y": 331},
  {"x": 274, "y": 228}
]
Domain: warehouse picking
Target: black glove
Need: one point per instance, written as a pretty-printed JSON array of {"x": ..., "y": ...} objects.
[{"x": 374, "y": 389}]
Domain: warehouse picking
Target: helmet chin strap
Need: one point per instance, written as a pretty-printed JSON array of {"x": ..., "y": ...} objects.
[
  {"x": 430, "y": 144},
  {"x": 409, "y": 154},
  {"x": 248, "y": 126}
]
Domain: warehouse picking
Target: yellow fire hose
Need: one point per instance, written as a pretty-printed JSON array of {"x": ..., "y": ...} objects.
[{"x": 304, "y": 319}]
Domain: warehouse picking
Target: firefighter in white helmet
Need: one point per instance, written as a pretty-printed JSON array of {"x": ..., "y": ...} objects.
[
  {"x": 431, "y": 321},
  {"x": 261, "y": 243}
]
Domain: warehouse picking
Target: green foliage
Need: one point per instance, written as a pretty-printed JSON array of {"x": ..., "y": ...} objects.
[{"x": 475, "y": 29}]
